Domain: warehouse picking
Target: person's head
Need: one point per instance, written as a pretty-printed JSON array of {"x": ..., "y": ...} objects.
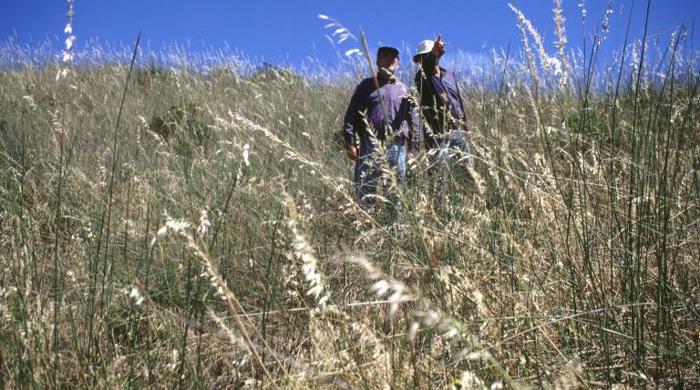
[
  {"x": 424, "y": 47},
  {"x": 388, "y": 57}
]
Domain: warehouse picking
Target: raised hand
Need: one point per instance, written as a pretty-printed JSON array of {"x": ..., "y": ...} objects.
[{"x": 439, "y": 47}]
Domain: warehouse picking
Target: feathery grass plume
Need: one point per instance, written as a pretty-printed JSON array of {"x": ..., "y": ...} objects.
[
  {"x": 135, "y": 294},
  {"x": 605, "y": 24},
  {"x": 304, "y": 252},
  {"x": 449, "y": 328},
  {"x": 530, "y": 63},
  {"x": 211, "y": 272},
  {"x": 583, "y": 10},
  {"x": 340, "y": 33},
  {"x": 560, "y": 44},
  {"x": 67, "y": 56},
  {"x": 547, "y": 62}
]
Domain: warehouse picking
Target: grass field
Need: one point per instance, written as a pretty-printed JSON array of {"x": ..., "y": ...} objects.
[{"x": 204, "y": 234}]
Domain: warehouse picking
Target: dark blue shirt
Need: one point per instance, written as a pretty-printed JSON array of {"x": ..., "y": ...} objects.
[
  {"x": 365, "y": 109},
  {"x": 439, "y": 96}
]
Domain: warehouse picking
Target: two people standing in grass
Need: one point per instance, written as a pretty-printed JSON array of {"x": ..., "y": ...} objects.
[{"x": 380, "y": 115}]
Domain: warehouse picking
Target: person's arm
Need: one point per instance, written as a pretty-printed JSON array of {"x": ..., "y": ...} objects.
[
  {"x": 461, "y": 106},
  {"x": 431, "y": 61},
  {"x": 414, "y": 132},
  {"x": 352, "y": 117}
]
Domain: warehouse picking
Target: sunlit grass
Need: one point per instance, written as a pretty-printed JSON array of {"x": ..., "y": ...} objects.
[{"x": 211, "y": 239}]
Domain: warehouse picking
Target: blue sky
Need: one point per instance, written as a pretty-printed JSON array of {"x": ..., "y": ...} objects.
[{"x": 290, "y": 31}]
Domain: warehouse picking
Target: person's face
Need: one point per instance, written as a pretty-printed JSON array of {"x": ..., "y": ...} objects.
[{"x": 388, "y": 60}]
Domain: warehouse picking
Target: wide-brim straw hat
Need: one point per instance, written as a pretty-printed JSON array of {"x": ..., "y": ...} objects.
[{"x": 424, "y": 47}]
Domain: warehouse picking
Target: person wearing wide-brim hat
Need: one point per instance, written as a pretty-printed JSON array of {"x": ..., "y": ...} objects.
[
  {"x": 445, "y": 125},
  {"x": 379, "y": 113}
]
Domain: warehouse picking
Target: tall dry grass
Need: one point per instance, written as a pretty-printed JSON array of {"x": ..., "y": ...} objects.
[{"x": 210, "y": 239}]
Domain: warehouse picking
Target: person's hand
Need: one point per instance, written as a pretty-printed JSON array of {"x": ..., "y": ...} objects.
[
  {"x": 351, "y": 152},
  {"x": 439, "y": 47}
]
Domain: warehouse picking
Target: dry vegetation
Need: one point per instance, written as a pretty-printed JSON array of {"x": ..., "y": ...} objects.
[{"x": 208, "y": 238}]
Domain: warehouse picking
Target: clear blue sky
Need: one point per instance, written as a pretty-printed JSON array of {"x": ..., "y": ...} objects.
[{"x": 289, "y": 31}]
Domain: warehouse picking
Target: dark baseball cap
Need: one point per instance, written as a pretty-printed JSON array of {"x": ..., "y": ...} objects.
[{"x": 387, "y": 50}]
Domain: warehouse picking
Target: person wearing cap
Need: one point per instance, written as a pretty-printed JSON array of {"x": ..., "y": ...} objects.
[
  {"x": 380, "y": 112},
  {"x": 445, "y": 126}
]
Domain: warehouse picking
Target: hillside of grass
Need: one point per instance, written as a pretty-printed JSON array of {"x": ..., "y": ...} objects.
[{"x": 205, "y": 234}]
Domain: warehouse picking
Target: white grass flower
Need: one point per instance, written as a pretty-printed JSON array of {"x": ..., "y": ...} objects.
[
  {"x": 136, "y": 295},
  {"x": 174, "y": 361},
  {"x": 562, "y": 40},
  {"x": 478, "y": 355},
  {"x": 381, "y": 288},
  {"x": 173, "y": 226},
  {"x": 555, "y": 65},
  {"x": 304, "y": 252},
  {"x": 340, "y": 32},
  {"x": 69, "y": 42},
  {"x": 246, "y": 149},
  {"x": 30, "y": 101},
  {"x": 324, "y": 299},
  {"x": 204, "y": 223},
  {"x": 67, "y": 55},
  {"x": 62, "y": 73},
  {"x": 413, "y": 330},
  {"x": 584, "y": 12},
  {"x": 451, "y": 333},
  {"x": 430, "y": 318},
  {"x": 606, "y": 19},
  {"x": 353, "y": 52},
  {"x": 526, "y": 25},
  {"x": 399, "y": 296},
  {"x": 316, "y": 290}
]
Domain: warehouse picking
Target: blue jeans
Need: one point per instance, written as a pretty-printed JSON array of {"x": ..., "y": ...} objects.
[{"x": 368, "y": 167}]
